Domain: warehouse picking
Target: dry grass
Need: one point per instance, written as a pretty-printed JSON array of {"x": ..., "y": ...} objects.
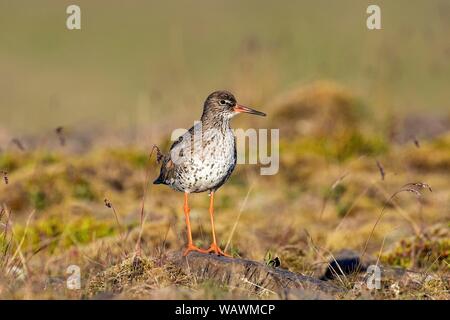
[{"x": 333, "y": 193}]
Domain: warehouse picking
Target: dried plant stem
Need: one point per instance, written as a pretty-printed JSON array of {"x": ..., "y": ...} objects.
[
  {"x": 110, "y": 205},
  {"x": 19, "y": 246},
  {"x": 7, "y": 243},
  {"x": 117, "y": 218},
  {"x": 244, "y": 203},
  {"x": 381, "y": 250},
  {"x": 334, "y": 185},
  {"x": 138, "y": 249},
  {"x": 327, "y": 196},
  {"x": 410, "y": 187},
  {"x": 381, "y": 169},
  {"x": 353, "y": 205},
  {"x": 402, "y": 212},
  {"x": 316, "y": 249}
]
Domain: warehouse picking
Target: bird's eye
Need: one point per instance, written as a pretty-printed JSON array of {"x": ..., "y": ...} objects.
[{"x": 222, "y": 102}]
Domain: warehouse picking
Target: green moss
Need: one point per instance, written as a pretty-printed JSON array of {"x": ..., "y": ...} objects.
[
  {"x": 234, "y": 251},
  {"x": 305, "y": 146},
  {"x": 8, "y": 162},
  {"x": 38, "y": 199},
  {"x": 80, "y": 230},
  {"x": 346, "y": 146},
  {"x": 355, "y": 144},
  {"x": 293, "y": 258},
  {"x": 136, "y": 158},
  {"x": 86, "y": 229},
  {"x": 43, "y": 190},
  {"x": 442, "y": 142},
  {"x": 337, "y": 193},
  {"x": 225, "y": 201},
  {"x": 342, "y": 208},
  {"x": 429, "y": 251},
  {"x": 82, "y": 190},
  {"x": 48, "y": 158}
]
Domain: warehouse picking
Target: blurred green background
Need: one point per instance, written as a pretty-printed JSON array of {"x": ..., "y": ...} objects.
[
  {"x": 361, "y": 113},
  {"x": 138, "y": 62}
]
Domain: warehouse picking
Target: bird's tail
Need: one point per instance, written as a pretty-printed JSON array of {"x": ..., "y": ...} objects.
[
  {"x": 159, "y": 158},
  {"x": 159, "y": 180}
]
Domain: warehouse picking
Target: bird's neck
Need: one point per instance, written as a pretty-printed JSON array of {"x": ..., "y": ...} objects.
[{"x": 218, "y": 122}]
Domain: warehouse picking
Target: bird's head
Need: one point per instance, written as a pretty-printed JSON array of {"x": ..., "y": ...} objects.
[{"x": 223, "y": 104}]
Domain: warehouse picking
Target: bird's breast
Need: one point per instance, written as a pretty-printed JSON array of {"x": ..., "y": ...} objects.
[{"x": 210, "y": 163}]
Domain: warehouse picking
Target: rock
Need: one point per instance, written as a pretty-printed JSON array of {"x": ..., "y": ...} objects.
[{"x": 251, "y": 275}]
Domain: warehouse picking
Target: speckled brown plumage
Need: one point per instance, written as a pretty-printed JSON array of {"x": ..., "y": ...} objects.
[{"x": 204, "y": 157}]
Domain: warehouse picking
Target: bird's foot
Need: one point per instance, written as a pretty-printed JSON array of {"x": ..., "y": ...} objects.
[
  {"x": 191, "y": 247},
  {"x": 215, "y": 248}
]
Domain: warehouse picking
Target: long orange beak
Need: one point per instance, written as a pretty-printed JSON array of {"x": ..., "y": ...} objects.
[{"x": 242, "y": 109}]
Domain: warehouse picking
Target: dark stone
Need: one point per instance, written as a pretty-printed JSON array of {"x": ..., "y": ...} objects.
[{"x": 343, "y": 266}]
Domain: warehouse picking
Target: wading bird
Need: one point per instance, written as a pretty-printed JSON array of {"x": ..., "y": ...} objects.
[{"x": 204, "y": 157}]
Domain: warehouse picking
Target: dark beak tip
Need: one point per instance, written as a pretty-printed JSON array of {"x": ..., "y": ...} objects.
[{"x": 258, "y": 113}]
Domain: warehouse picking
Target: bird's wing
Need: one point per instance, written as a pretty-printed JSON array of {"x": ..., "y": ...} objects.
[
  {"x": 186, "y": 143},
  {"x": 176, "y": 156},
  {"x": 167, "y": 171},
  {"x": 194, "y": 132}
]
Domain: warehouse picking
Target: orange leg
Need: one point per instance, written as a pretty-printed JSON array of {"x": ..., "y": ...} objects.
[
  {"x": 214, "y": 247},
  {"x": 190, "y": 246}
]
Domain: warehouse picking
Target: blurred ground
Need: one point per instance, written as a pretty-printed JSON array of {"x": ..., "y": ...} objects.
[
  {"x": 335, "y": 181},
  {"x": 135, "y": 64}
]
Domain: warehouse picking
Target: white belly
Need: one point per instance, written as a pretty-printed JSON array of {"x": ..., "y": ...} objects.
[{"x": 206, "y": 169}]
